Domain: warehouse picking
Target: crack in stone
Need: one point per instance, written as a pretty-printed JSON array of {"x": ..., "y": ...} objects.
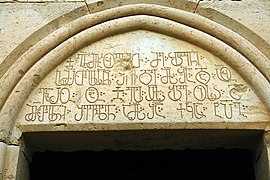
[
  {"x": 196, "y": 6},
  {"x": 87, "y": 6}
]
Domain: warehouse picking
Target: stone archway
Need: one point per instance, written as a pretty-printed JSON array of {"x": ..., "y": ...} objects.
[{"x": 136, "y": 67}]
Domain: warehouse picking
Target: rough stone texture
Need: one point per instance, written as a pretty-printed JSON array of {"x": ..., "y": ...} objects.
[
  {"x": 262, "y": 164},
  {"x": 50, "y": 61},
  {"x": 261, "y": 160},
  {"x": 267, "y": 165},
  {"x": 140, "y": 81},
  {"x": 20, "y": 20},
  {"x": 189, "y": 65},
  {"x": 230, "y": 14},
  {"x": 258, "y": 12},
  {"x": 159, "y": 25},
  {"x": 11, "y": 162},
  {"x": 22, "y": 167},
  {"x": 29, "y": 17},
  {"x": 3, "y": 149}
]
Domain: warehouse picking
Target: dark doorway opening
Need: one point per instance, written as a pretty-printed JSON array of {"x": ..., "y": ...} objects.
[{"x": 212, "y": 164}]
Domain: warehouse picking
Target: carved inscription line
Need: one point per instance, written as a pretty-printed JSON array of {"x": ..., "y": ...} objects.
[{"x": 104, "y": 86}]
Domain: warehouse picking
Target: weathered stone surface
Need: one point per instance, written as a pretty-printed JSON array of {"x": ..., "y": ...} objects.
[
  {"x": 3, "y": 150},
  {"x": 113, "y": 65},
  {"x": 15, "y": 163},
  {"x": 19, "y": 20},
  {"x": 22, "y": 167},
  {"x": 195, "y": 36},
  {"x": 11, "y": 162},
  {"x": 142, "y": 77},
  {"x": 26, "y": 18},
  {"x": 258, "y": 13}
]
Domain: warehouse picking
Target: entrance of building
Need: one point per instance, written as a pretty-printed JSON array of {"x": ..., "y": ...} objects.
[
  {"x": 144, "y": 154},
  {"x": 221, "y": 164}
]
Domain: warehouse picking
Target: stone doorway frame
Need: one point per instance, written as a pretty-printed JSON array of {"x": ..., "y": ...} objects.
[
  {"x": 22, "y": 69},
  {"x": 145, "y": 140}
]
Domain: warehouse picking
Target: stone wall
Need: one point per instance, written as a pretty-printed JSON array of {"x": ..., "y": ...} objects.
[{"x": 132, "y": 65}]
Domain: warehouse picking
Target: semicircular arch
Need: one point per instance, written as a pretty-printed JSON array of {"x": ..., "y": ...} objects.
[{"x": 58, "y": 46}]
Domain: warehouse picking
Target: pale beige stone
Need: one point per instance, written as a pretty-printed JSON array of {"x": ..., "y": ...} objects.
[
  {"x": 186, "y": 17},
  {"x": 129, "y": 80},
  {"x": 15, "y": 164},
  {"x": 3, "y": 150},
  {"x": 11, "y": 161},
  {"x": 258, "y": 13},
  {"x": 46, "y": 84},
  {"x": 20, "y": 20},
  {"x": 251, "y": 27}
]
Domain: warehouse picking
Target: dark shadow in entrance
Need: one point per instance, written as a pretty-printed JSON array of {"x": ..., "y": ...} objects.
[{"x": 215, "y": 164}]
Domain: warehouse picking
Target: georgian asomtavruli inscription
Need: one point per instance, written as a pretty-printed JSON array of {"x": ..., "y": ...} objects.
[{"x": 139, "y": 86}]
